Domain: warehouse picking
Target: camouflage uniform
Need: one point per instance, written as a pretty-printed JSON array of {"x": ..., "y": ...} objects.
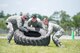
[
  {"x": 13, "y": 23},
  {"x": 32, "y": 25},
  {"x": 56, "y": 31}
]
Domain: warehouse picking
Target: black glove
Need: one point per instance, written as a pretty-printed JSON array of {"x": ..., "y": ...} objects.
[
  {"x": 23, "y": 29},
  {"x": 6, "y": 23},
  {"x": 37, "y": 29}
]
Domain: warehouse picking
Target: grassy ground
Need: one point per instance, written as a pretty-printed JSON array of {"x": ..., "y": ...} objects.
[
  {"x": 3, "y": 34},
  {"x": 70, "y": 47}
]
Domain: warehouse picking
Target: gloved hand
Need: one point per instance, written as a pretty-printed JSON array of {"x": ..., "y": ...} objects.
[
  {"x": 6, "y": 23},
  {"x": 37, "y": 29},
  {"x": 23, "y": 29}
]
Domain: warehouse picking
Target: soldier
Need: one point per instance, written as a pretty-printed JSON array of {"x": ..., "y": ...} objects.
[
  {"x": 13, "y": 23},
  {"x": 33, "y": 23},
  {"x": 54, "y": 29}
]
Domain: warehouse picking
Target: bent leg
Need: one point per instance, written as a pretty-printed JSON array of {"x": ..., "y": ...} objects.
[
  {"x": 10, "y": 35},
  {"x": 56, "y": 37}
]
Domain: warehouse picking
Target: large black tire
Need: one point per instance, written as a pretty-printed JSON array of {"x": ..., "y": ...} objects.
[{"x": 22, "y": 39}]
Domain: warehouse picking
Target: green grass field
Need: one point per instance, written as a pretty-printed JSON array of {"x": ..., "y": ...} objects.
[
  {"x": 3, "y": 34},
  {"x": 70, "y": 47}
]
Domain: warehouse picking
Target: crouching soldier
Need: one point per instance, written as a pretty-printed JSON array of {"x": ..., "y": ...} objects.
[
  {"x": 33, "y": 23},
  {"x": 54, "y": 29},
  {"x": 13, "y": 23}
]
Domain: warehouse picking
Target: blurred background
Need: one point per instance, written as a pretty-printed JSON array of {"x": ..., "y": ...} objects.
[{"x": 66, "y": 13}]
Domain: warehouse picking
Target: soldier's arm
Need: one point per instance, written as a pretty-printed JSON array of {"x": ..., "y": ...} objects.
[
  {"x": 19, "y": 23},
  {"x": 10, "y": 27},
  {"x": 27, "y": 22},
  {"x": 40, "y": 22},
  {"x": 50, "y": 29}
]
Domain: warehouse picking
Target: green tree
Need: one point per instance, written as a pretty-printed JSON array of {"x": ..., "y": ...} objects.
[
  {"x": 65, "y": 20},
  {"x": 55, "y": 17},
  {"x": 45, "y": 16},
  {"x": 8, "y": 15},
  {"x": 76, "y": 22},
  {"x": 2, "y": 24},
  {"x": 2, "y": 14}
]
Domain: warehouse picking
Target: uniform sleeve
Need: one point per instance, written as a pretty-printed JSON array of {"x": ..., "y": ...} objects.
[
  {"x": 26, "y": 23},
  {"x": 10, "y": 27},
  {"x": 50, "y": 29},
  {"x": 19, "y": 24},
  {"x": 9, "y": 18},
  {"x": 40, "y": 22}
]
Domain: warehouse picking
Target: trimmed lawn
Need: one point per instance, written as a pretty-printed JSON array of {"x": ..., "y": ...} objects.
[
  {"x": 70, "y": 47},
  {"x": 3, "y": 34}
]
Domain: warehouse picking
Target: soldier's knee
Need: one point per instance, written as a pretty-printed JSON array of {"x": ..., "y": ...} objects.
[{"x": 58, "y": 36}]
